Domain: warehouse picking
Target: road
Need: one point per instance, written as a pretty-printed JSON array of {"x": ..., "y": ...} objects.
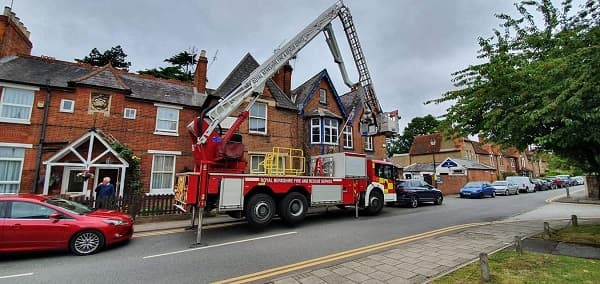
[{"x": 238, "y": 250}]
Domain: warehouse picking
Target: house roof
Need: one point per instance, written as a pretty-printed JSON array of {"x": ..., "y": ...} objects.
[
  {"x": 305, "y": 91},
  {"x": 511, "y": 152},
  {"x": 419, "y": 167},
  {"x": 479, "y": 149},
  {"x": 468, "y": 164},
  {"x": 32, "y": 70},
  {"x": 422, "y": 144},
  {"x": 241, "y": 72},
  {"x": 349, "y": 100}
]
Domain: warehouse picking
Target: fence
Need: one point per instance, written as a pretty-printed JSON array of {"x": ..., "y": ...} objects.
[{"x": 134, "y": 205}]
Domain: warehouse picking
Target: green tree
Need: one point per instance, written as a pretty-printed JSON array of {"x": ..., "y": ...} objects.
[
  {"x": 539, "y": 83},
  {"x": 115, "y": 56},
  {"x": 182, "y": 66},
  {"x": 417, "y": 126}
]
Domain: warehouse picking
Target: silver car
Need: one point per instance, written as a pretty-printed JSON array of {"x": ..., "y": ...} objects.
[{"x": 505, "y": 187}]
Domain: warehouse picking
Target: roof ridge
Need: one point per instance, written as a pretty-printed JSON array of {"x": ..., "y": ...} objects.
[
  {"x": 150, "y": 77},
  {"x": 91, "y": 74}
]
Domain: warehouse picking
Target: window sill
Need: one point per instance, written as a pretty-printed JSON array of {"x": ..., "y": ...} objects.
[
  {"x": 15, "y": 121},
  {"x": 166, "y": 133},
  {"x": 258, "y": 133},
  {"x": 160, "y": 192}
]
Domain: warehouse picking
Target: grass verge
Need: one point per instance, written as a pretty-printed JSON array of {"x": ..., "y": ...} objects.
[
  {"x": 585, "y": 234},
  {"x": 509, "y": 267}
]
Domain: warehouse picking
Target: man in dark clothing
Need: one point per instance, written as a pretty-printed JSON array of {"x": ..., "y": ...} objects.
[{"x": 105, "y": 193}]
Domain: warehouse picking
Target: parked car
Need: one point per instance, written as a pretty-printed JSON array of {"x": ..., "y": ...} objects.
[
  {"x": 564, "y": 180},
  {"x": 413, "y": 192},
  {"x": 477, "y": 189},
  {"x": 505, "y": 187},
  {"x": 554, "y": 182},
  {"x": 579, "y": 180},
  {"x": 524, "y": 183},
  {"x": 540, "y": 185},
  {"x": 39, "y": 222}
]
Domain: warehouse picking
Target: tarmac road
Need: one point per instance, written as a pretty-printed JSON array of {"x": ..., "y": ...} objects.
[{"x": 238, "y": 250}]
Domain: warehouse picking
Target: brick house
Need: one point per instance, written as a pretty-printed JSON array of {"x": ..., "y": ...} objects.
[{"x": 56, "y": 116}]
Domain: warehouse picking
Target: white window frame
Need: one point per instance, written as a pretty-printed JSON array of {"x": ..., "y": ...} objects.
[
  {"x": 253, "y": 117},
  {"x": 512, "y": 162},
  {"x": 253, "y": 169},
  {"x": 368, "y": 143},
  {"x": 322, "y": 96},
  {"x": 168, "y": 132},
  {"x": 501, "y": 160},
  {"x": 315, "y": 127},
  {"x": 130, "y": 110},
  {"x": 6, "y": 86},
  {"x": 21, "y": 160},
  {"x": 64, "y": 109},
  {"x": 155, "y": 154},
  {"x": 333, "y": 131},
  {"x": 348, "y": 137}
]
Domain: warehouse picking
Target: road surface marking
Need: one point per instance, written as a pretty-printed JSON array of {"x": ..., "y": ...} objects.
[
  {"x": 16, "y": 275},
  {"x": 220, "y": 245},
  {"x": 182, "y": 230},
  {"x": 341, "y": 255}
]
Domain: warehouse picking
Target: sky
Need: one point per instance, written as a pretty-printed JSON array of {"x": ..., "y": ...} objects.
[{"x": 411, "y": 46}]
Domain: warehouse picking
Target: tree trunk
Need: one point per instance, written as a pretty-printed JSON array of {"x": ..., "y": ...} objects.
[{"x": 592, "y": 183}]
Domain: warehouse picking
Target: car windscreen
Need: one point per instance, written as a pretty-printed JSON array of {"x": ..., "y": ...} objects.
[
  {"x": 69, "y": 205},
  {"x": 499, "y": 183}
]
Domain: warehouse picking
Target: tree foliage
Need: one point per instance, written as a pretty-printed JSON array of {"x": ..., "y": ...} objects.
[
  {"x": 539, "y": 83},
  {"x": 115, "y": 56},
  {"x": 417, "y": 126},
  {"x": 182, "y": 67}
]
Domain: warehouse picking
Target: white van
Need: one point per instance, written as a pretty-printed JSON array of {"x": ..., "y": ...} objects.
[{"x": 524, "y": 183}]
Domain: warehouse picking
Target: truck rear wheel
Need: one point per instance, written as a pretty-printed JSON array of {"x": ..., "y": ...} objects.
[
  {"x": 375, "y": 202},
  {"x": 260, "y": 210},
  {"x": 292, "y": 208}
]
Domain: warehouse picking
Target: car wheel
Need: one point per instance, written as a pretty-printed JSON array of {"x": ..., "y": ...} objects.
[
  {"x": 292, "y": 208},
  {"x": 438, "y": 200},
  {"x": 375, "y": 202},
  {"x": 493, "y": 194},
  {"x": 86, "y": 242},
  {"x": 506, "y": 192},
  {"x": 517, "y": 192},
  {"x": 414, "y": 202},
  {"x": 260, "y": 210}
]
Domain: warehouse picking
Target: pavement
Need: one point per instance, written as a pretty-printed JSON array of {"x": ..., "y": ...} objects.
[{"x": 415, "y": 259}]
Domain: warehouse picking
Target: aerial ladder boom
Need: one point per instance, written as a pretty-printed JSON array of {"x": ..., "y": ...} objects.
[{"x": 373, "y": 118}]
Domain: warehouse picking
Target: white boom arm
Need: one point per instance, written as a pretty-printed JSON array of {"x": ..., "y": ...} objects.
[
  {"x": 256, "y": 80},
  {"x": 260, "y": 75}
]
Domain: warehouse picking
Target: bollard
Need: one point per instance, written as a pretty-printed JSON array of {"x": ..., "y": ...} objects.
[
  {"x": 485, "y": 269},
  {"x": 574, "y": 220},
  {"x": 518, "y": 246},
  {"x": 546, "y": 229},
  {"x": 568, "y": 193}
]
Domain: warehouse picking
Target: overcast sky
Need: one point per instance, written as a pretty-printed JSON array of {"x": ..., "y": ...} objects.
[{"x": 411, "y": 46}]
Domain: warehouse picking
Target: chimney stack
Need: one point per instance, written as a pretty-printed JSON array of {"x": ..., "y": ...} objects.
[
  {"x": 14, "y": 36},
  {"x": 200, "y": 73},
  {"x": 283, "y": 79}
]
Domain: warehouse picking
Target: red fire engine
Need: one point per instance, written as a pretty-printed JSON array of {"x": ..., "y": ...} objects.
[{"x": 287, "y": 189}]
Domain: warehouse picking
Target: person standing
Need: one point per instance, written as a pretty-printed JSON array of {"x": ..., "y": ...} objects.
[{"x": 105, "y": 193}]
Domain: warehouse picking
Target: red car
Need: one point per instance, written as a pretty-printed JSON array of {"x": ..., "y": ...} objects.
[{"x": 31, "y": 222}]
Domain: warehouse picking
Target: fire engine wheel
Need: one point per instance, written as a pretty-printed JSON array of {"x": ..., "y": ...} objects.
[
  {"x": 292, "y": 208},
  {"x": 375, "y": 202},
  {"x": 260, "y": 210}
]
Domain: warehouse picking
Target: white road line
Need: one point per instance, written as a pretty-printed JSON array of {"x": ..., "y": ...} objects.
[
  {"x": 220, "y": 245},
  {"x": 16, "y": 275}
]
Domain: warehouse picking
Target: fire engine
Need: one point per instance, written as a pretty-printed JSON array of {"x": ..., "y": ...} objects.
[{"x": 289, "y": 186}]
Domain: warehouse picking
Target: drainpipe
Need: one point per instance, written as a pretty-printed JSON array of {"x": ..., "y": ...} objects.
[{"x": 38, "y": 163}]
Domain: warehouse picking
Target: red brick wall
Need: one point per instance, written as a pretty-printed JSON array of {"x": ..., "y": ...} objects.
[
  {"x": 451, "y": 184},
  {"x": 12, "y": 40},
  {"x": 481, "y": 175},
  {"x": 138, "y": 134}
]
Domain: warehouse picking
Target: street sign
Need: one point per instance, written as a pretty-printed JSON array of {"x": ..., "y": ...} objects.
[{"x": 448, "y": 163}]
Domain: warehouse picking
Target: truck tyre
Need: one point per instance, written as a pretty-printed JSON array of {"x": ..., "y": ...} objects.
[
  {"x": 375, "y": 202},
  {"x": 260, "y": 210},
  {"x": 292, "y": 208}
]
